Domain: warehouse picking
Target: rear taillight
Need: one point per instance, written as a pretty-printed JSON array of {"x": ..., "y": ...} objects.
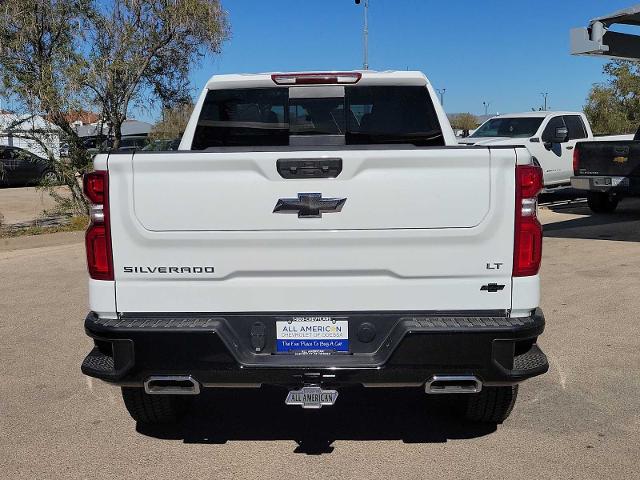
[
  {"x": 576, "y": 160},
  {"x": 316, "y": 78},
  {"x": 98, "y": 236},
  {"x": 527, "y": 252}
]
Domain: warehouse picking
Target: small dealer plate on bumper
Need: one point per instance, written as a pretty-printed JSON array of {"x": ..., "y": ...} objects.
[
  {"x": 312, "y": 335},
  {"x": 311, "y": 397}
]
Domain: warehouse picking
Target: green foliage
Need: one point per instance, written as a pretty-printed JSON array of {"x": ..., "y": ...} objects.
[
  {"x": 142, "y": 50},
  {"x": 464, "y": 121},
  {"x": 38, "y": 52},
  {"x": 174, "y": 121},
  {"x": 614, "y": 107}
]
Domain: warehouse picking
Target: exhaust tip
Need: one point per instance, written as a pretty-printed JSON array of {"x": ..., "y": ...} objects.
[
  {"x": 171, "y": 385},
  {"x": 440, "y": 384}
]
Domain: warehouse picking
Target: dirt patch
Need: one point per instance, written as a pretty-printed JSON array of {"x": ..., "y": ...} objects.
[
  {"x": 38, "y": 241},
  {"x": 19, "y": 205},
  {"x": 29, "y": 211}
]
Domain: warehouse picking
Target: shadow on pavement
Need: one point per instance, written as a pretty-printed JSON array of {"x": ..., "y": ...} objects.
[
  {"x": 622, "y": 225},
  {"x": 560, "y": 195},
  {"x": 261, "y": 415}
]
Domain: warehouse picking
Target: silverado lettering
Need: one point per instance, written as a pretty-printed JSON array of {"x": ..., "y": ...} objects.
[{"x": 168, "y": 270}]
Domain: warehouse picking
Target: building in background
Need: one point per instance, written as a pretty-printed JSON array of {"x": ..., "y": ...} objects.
[
  {"x": 97, "y": 135},
  {"x": 129, "y": 128},
  {"x": 79, "y": 118},
  {"x": 30, "y": 132}
]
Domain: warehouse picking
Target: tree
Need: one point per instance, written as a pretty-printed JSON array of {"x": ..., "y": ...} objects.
[
  {"x": 57, "y": 56},
  {"x": 614, "y": 106},
  {"x": 37, "y": 53},
  {"x": 464, "y": 121},
  {"x": 142, "y": 49},
  {"x": 174, "y": 121}
]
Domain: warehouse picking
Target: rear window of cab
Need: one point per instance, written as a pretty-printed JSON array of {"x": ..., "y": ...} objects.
[{"x": 364, "y": 115}]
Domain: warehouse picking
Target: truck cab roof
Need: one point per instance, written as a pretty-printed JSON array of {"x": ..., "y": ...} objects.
[
  {"x": 318, "y": 117},
  {"x": 536, "y": 114},
  {"x": 366, "y": 77}
]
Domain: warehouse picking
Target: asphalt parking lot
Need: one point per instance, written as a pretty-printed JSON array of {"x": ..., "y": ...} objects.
[{"x": 579, "y": 421}]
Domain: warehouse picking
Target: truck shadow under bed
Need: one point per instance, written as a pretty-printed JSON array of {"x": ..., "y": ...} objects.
[{"x": 228, "y": 415}]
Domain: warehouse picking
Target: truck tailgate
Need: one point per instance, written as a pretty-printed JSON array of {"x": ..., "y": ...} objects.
[
  {"x": 418, "y": 229},
  {"x": 615, "y": 158},
  {"x": 382, "y": 190}
]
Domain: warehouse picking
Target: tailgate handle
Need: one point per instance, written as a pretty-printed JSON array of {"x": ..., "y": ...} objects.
[{"x": 309, "y": 167}]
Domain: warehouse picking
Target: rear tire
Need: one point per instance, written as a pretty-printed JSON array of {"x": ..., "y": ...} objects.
[
  {"x": 49, "y": 178},
  {"x": 602, "y": 202},
  {"x": 153, "y": 409},
  {"x": 491, "y": 405}
]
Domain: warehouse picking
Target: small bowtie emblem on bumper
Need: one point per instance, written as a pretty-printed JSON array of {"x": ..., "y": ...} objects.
[{"x": 492, "y": 287}]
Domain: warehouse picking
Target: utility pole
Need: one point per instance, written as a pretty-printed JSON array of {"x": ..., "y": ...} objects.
[
  {"x": 545, "y": 95},
  {"x": 441, "y": 93},
  {"x": 486, "y": 108},
  {"x": 365, "y": 34}
]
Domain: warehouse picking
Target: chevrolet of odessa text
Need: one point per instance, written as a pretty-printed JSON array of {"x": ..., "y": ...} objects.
[{"x": 357, "y": 244}]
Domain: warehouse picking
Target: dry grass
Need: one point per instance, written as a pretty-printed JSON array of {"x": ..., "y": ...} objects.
[{"x": 75, "y": 223}]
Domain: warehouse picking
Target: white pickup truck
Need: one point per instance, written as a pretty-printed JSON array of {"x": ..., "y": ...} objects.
[
  {"x": 315, "y": 230},
  {"x": 550, "y": 137}
]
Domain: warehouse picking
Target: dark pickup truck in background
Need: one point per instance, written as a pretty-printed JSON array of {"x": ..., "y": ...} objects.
[{"x": 608, "y": 171}]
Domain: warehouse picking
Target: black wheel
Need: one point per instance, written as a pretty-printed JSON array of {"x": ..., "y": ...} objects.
[
  {"x": 491, "y": 405},
  {"x": 49, "y": 178},
  {"x": 150, "y": 409},
  {"x": 601, "y": 202}
]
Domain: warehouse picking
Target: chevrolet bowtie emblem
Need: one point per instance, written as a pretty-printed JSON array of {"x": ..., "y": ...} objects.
[{"x": 309, "y": 205}]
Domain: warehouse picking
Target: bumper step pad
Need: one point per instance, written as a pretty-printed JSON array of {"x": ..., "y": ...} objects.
[
  {"x": 533, "y": 360},
  {"x": 97, "y": 363},
  {"x": 110, "y": 359}
]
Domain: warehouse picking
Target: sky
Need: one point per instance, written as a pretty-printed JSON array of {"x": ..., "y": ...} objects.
[{"x": 505, "y": 52}]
